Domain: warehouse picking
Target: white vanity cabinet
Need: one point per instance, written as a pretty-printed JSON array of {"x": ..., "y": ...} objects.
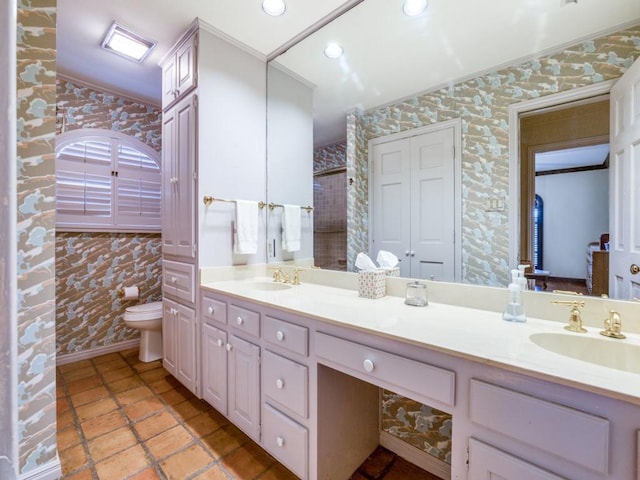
[
  {"x": 307, "y": 389},
  {"x": 286, "y": 373},
  {"x": 231, "y": 361},
  {"x": 179, "y": 74},
  {"x": 179, "y": 343}
]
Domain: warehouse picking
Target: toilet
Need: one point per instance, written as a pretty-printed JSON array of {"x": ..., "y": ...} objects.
[{"x": 147, "y": 318}]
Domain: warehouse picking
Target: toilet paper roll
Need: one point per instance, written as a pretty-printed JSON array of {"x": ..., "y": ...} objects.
[{"x": 131, "y": 293}]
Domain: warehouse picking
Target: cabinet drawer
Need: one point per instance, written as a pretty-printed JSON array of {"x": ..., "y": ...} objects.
[
  {"x": 288, "y": 336},
  {"x": 405, "y": 376},
  {"x": 213, "y": 311},
  {"x": 286, "y": 383},
  {"x": 286, "y": 440},
  {"x": 178, "y": 280},
  {"x": 244, "y": 320},
  {"x": 571, "y": 434}
]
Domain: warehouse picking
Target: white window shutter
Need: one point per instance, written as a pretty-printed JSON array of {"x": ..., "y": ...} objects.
[{"x": 109, "y": 182}]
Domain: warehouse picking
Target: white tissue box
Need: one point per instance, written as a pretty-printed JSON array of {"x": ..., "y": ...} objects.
[
  {"x": 392, "y": 272},
  {"x": 371, "y": 283}
]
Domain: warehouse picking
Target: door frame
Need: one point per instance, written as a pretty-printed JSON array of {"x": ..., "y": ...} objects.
[
  {"x": 456, "y": 124},
  {"x": 515, "y": 110}
]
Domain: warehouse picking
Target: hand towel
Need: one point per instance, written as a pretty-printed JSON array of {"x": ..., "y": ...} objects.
[
  {"x": 291, "y": 228},
  {"x": 245, "y": 239}
]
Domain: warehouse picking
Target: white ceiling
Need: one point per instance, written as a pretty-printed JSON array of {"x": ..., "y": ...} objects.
[
  {"x": 577, "y": 157},
  {"x": 387, "y": 56},
  {"x": 82, "y": 25}
]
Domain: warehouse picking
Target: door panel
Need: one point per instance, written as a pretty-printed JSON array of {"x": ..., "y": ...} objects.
[
  {"x": 624, "y": 238},
  {"x": 390, "y": 201}
]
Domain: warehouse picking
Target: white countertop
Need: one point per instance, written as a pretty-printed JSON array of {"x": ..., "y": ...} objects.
[{"x": 474, "y": 334}]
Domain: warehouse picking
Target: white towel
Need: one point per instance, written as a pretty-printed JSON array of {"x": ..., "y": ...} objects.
[
  {"x": 291, "y": 228},
  {"x": 245, "y": 238}
]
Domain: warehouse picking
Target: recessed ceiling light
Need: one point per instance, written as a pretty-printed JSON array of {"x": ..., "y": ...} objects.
[
  {"x": 414, "y": 7},
  {"x": 273, "y": 7},
  {"x": 333, "y": 50},
  {"x": 127, "y": 44}
]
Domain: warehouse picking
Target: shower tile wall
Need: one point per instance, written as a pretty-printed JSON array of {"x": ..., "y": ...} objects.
[
  {"x": 482, "y": 104},
  {"x": 35, "y": 188},
  {"x": 330, "y": 207},
  {"x": 91, "y": 267}
]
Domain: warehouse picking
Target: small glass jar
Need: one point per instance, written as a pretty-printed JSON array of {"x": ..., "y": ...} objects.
[{"x": 416, "y": 294}]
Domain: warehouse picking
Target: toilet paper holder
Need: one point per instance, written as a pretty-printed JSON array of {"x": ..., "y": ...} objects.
[{"x": 128, "y": 293}]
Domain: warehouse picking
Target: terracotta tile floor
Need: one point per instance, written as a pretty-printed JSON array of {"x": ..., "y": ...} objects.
[{"x": 119, "y": 418}]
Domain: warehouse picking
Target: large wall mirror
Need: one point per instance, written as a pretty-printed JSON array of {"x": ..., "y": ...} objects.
[{"x": 465, "y": 65}]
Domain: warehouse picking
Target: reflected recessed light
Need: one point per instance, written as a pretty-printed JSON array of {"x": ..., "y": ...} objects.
[
  {"x": 127, "y": 44},
  {"x": 273, "y": 7},
  {"x": 414, "y": 7},
  {"x": 333, "y": 50}
]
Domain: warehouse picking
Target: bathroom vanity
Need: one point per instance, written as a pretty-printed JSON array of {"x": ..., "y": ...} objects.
[{"x": 299, "y": 368}]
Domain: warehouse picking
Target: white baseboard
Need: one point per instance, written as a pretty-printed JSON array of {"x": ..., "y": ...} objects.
[
  {"x": 96, "y": 352},
  {"x": 49, "y": 471},
  {"x": 416, "y": 456}
]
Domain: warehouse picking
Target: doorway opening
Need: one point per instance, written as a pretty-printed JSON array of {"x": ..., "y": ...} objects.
[{"x": 564, "y": 162}]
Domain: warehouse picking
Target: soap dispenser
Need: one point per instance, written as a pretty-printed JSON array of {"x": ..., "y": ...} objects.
[{"x": 514, "y": 311}]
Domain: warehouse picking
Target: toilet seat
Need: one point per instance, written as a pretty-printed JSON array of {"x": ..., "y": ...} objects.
[{"x": 145, "y": 311}]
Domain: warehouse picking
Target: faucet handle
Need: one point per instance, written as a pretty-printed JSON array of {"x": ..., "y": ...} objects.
[
  {"x": 613, "y": 326},
  {"x": 296, "y": 276},
  {"x": 575, "y": 318},
  {"x": 277, "y": 275}
]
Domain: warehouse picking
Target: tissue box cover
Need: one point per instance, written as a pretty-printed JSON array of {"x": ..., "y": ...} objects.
[
  {"x": 392, "y": 272},
  {"x": 371, "y": 283}
]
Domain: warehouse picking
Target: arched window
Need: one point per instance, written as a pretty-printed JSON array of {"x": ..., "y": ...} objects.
[
  {"x": 106, "y": 181},
  {"x": 538, "y": 237}
]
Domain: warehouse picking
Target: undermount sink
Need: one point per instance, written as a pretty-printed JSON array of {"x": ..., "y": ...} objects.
[
  {"x": 607, "y": 353},
  {"x": 267, "y": 286}
]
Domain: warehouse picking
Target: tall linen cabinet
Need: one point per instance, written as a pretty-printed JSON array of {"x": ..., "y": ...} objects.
[{"x": 214, "y": 143}]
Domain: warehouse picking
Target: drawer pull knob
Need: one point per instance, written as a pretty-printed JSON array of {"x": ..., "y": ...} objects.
[
  {"x": 239, "y": 320},
  {"x": 210, "y": 310},
  {"x": 280, "y": 441},
  {"x": 280, "y": 335},
  {"x": 220, "y": 342},
  {"x": 280, "y": 384},
  {"x": 174, "y": 280},
  {"x": 368, "y": 365},
  {"x": 229, "y": 347}
]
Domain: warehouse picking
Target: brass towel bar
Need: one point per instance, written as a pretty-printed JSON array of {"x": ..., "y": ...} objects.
[
  {"x": 272, "y": 205},
  {"x": 208, "y": 200}
]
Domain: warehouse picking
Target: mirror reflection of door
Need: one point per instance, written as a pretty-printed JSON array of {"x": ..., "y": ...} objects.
[
  {"x": 564, "y": 159},
  {"x": 413, "y": 199}
]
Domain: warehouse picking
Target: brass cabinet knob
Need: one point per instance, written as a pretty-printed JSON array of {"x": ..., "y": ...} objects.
[{"x": 634, "y": 269}]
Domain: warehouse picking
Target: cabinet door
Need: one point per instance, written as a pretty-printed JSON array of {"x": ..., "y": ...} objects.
[
  {"x": 489, "y": 462},
  {"x": 214, "y": 367},
  {"x": 179, "y": 179},
  {"x": 186, "y": 350},
  {"x": 169, "y": 335},
  {"x": 169, "y": 81},
  {"x": 244, "y": 384},
  {"x": 169, "y": 133},
  {"x": 185, "y": 66}
]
